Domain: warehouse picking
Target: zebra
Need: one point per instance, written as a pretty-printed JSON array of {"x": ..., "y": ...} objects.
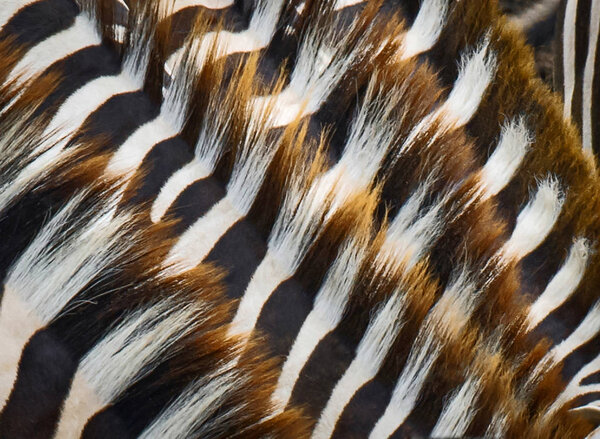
[{"x": 303, "y": 218}]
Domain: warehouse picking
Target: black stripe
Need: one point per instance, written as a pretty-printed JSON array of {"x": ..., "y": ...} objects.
[
  {"x": 38, "y": 21},
  {"x": 43, "y": 381},
  {"x": 581, "y": 49},
  {"x": 239, "y": 252},
  {"x": 595, "y": 113}
]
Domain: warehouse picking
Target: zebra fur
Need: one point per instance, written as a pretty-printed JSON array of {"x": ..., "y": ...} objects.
[{"x": 462, "y": 202}]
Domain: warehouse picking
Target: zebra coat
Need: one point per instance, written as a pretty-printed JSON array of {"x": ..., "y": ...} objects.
[{"x": 296, "y": 219}]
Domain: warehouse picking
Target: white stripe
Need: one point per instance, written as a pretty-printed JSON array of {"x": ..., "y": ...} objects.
[
  {"x": 61, "y": 260},
  {"x": 267, "y": 277},
  {"x": 130, "y": 155},
  {"x": 198, "y": 411},
  {"x": 82, "y": 33},
  {"x": 249, "y": 170},
  {"x": 476, "y": 72},
  {"x": 535, "y": 221},
  {"x": 568, "y": 42},
  {"x": 81, "y": 104},
  {"x": 124, "y": 356},
  {"x": 83, "y": 251},
  {"x": 17, "y": 324},
  {"x": 412, "y": 233},
  {"x": 296, "y": 227},
  {"x": 260, "y": 31},
  {"x": 498, "y": 425},
  {"x": 443, "y": 323},
  {"x": 210, "y": 4},
  {"x": 321, "y": 63},
  {"x": 199, "y": 239},
  {"x": 341, "y": 4},
  {"x": 304, "y": 215},
  {"x": 426, "y": 28},
  {"x": 298, "y": 224},
  {"x": 575, "y": 389},
  {"x": 563, "y": 284},
  {"x": 44, "y": 164},
  {"x": 370, "y": 354},
  {"x": 588, "y": 77},
  {"x": 515, "y": 140},
  {"x": 176, "y": 184},
  {"x": 539, "y": 11},
  {"x": 16, "y": 145},
  {"x": 459, "y": 411},
  {"x": 327, "y": 312},
  {"x": 169, "y": 122},
  {"x": 207, "y": 152},
  {"x": 585, "y": 331}
]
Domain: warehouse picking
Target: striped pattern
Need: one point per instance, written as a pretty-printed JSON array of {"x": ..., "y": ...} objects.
[
  {"x": 285, "y": 224},
  {"x": 577, "y": 67}
]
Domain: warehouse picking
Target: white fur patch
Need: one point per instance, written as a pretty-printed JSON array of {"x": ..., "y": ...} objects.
[
  {"x": 130, "y": 155},
  {"x": 562, "y": 285},
  {"x": 568, "y": 50},
  {"x": 176, "y": 184},
  {"x": 370, "y": 354},
  {"x": 326, "y": 314},
  {"x": 535, "y": 221},
  {"x": 587, "y": 329},
  {"x": 81, "y": 104},
  {"x": 476, "y": 72},
  {"x": 575, "y": 389},
  {"x": 304, "y": 214},
  {"x": 194, "y": 412},
  {"x": 459, "y": 411},
  {"x": 267, "y": 277},
  {"x": 210, "y": 4},
  {"x": 124, "y": 356},
  {"x": 207, "y": 152},
  {"x": 426, "y": 28},
  {"x": 298, "y": 224},
  {"x": 84, "y": 250},
  {"x": 321, "y": 63},
  {"x": 497, "y": 425},
  {"x": 501, "y": 166},
  {"x": 169, "y": 122},
  {"x": 17, "y": 325},
  {"x": 412, "y": 233},
  {"x": 198, "y": 240},
  {"x": 249, "y": 170},
  {"x": 82, "y": 33},
  {"x": 589, "y": 74},
  {"x": 61, "y": 260},
  {"x": 444, "y": 322},
  {"x": 258, "y": 35}
]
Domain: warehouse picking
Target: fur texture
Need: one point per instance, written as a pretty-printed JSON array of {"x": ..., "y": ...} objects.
[{"x": 291, "y": 219}]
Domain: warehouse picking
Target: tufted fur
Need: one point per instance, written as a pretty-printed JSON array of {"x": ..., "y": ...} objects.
[{"x": 290, "y": 219}]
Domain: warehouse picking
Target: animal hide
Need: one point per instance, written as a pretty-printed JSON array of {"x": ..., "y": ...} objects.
[{"x": 298, "y": 218}]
